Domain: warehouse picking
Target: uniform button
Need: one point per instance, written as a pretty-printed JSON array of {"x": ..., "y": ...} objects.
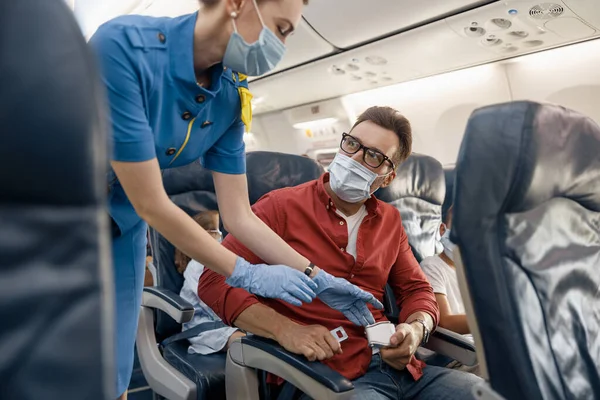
[
  {"x": 341, "y": 222},
  {"x": 186, "y": 115},
  {"x": 162, "y": 37},
  {"x": 170, "y": 151},
  {"x": 205, "y": 124},
  {"x": 327, "y": 206},
  {"x": 200, "y": 98},
  {"x": 351, "y": 275},
  {"x": 342, "y": 249}
]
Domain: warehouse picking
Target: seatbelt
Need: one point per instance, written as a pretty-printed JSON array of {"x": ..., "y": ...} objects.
[{"x": 195, "y": 331}]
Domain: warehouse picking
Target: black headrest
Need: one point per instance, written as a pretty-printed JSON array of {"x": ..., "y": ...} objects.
[
  {"x": 418, "y": 193},
  {"x": 268, "y": 171},
  {"x": 419, "y": 176},
  {"x": 191, "y": 188},
  {"x": 526, "y": 206},
  {"x": 54, "y": 239}
]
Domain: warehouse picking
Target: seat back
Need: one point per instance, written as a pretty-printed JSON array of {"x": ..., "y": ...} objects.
[
  {"x": 526, "y": 220},
  {"x": 418, "y": 193},
  {"x": 56, "y": 327},
  {"x": 191, "y": 188}
]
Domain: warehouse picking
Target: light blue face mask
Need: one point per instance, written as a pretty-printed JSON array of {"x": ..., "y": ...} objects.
[
  {"x": 257, "y": 58},
  {"x": 350, "y": 180},
  {"x": 448, "y": 245}
]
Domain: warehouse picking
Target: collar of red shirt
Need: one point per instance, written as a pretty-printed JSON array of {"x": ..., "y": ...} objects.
[{"x": 372, "y": 204}]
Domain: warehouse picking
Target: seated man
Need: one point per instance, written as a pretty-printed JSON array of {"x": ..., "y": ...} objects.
[
  {"x": 338, "y": 223},
  {"x": 213, "y": 340}
]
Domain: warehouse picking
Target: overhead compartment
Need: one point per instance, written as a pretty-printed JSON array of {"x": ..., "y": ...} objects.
[
  {"x": 347, "y": 23},
  {"x": 460, "y": 41}
]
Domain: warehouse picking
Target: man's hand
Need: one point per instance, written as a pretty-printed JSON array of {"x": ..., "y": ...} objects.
[
  {"x": 315, "y": 342},
  {"x": 403, "y": 344}
]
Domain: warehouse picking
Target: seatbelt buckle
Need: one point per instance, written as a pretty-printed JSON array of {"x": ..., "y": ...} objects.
[
  {"x": 339, "y": 334},
  {"x": 379, "y": 334}
]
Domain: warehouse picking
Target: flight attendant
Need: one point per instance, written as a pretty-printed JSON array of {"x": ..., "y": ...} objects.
[{"x": 178, "y": 93}]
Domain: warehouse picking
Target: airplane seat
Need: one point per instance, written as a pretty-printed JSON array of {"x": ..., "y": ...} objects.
[
  {"x": 418, "y": 193},
  {"x": 526, "y": 222},
  {"x": 56, "y": 299}
]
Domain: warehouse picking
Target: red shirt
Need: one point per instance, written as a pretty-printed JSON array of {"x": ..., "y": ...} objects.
[{"x": 305, "y": 217}]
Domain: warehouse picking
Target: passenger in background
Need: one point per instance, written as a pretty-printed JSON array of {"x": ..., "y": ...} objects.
[
  {"x": 213, "y": 340},
  {"x": 441, "y": 272}
]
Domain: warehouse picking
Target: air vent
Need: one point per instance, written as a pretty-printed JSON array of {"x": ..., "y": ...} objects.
[
  {"x": 474, "y": 31},
  {"x": 546, "y": 11},
  {"x": 352, "y": 67},
  {"x": 491, "y": 41},
  {"x": 518, "y": 34},
  {"x": 501, "y": 23}
]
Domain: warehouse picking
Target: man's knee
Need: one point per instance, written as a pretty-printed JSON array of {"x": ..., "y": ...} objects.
[{"x": 456, "y": 384}]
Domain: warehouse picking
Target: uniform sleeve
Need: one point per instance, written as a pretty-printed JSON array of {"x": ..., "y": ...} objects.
[
  {"x": 227, "y": 302},
  {"x": 409, "y": 284},
  {"x": 434, "y": 275},
  {"x": 228, "y": 154},
  {"x": 132, "y": 136}
]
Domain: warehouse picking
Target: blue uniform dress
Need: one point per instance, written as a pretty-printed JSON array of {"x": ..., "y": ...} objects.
[{"x": 158, "y": 110}]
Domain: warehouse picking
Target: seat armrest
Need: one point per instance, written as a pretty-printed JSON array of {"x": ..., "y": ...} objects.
[
  {"x": 165, "y": 300},
  {"x": 312, "y": 377},
  {"x": 318, "y": 371},
  {"x": 453, "y": 345}
]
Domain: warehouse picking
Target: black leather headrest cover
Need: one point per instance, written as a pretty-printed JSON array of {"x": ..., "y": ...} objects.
[
  {"x": 418, "y": 193},
  {"x": 419, "y": 176},
  {"x": 526, "y": 219}
]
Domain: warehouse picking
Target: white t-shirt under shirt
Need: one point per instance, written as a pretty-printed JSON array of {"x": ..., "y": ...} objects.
[
  {"x": 444, "y": 281},
  {"x": 353, "y": 223}
]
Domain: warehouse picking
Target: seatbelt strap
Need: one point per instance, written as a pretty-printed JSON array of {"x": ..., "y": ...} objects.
[{"x": 195, "y": 331}]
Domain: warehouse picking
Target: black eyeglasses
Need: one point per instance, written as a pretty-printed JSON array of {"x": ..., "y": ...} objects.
[{"x": 373, "y": 158}]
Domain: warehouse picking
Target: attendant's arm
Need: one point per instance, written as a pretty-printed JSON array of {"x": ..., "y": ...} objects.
[
  {"x": 144, "y": 187},
  {"x": 240, "y": 220},
  {"x": 454, "y": 322}
]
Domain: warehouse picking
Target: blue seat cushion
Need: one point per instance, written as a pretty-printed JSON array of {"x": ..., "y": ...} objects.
[{"x": 208, "y": 372}]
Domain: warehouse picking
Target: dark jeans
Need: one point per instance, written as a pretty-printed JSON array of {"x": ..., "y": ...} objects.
[{"x": 382, "y": 382}]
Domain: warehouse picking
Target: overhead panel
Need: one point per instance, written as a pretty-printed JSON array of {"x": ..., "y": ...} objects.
[
  {"x": 420, "y": 52},
  {"x": 489, "y": 33},
  {"x": 346, "y": 23}
]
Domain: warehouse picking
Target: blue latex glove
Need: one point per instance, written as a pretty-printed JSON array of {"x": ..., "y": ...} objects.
[
  {"x": 347, "y": 298},
  {"x": 273, "y": 281}
]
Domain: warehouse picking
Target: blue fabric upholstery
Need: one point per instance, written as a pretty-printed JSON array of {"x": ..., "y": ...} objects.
[
  {"x": 418, "y": 193},
  {"x": 191, "y": 188},
  {"x": 526, "y": 219},
  {"x": 54, "y": 246}
]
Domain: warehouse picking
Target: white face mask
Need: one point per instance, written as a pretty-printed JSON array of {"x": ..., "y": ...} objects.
[
  {"x": 350, "y": 180},
  {"x": 448, "y": 245}
]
